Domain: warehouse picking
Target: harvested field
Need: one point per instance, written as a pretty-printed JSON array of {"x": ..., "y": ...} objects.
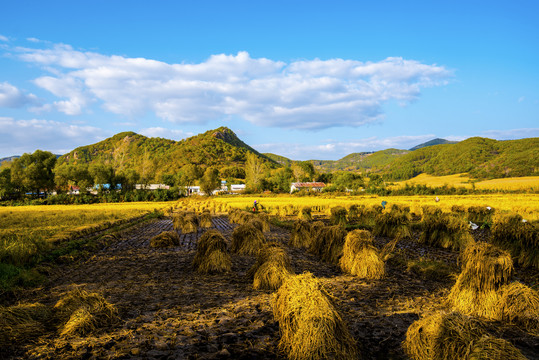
[{"x": 169, "y": 311}]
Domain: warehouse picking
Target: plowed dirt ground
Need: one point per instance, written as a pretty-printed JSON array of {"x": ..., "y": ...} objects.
[{"x": 168, "y": 311}]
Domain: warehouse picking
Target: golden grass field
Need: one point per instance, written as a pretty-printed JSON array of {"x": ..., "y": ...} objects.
[
  {"x": 526, "y": 205},
  {"x": 463, "y": 180}
]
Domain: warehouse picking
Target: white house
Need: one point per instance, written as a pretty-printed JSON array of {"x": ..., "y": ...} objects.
[
  {"x": 310, "y": 186},
  {"x": 193, "y": 190},
  {"x": 151, "y": 186}
]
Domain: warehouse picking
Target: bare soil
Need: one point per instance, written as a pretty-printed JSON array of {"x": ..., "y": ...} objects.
[{"x": 168, "y": 311}]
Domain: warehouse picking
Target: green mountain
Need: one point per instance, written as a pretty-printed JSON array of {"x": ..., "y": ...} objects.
[
  {"x": 128, "y": 150},
  {"x": 364, "y": 161},
  {"x": 433, "y": 142},
  {"x": 480, "y": 157},
  {"x": 279, "y": 159}
]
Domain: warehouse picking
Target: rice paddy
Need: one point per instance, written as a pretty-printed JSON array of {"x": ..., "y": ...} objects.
[{"x": 215, "y": 281}]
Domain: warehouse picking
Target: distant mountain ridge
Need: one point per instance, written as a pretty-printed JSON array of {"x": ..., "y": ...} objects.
[
  {"x": 221, "y": 148},
  {"x": 433, "y": 142}
]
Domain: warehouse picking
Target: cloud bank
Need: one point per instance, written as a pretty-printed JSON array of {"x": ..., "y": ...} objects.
[
  {"x": 305, "y": 94},
  {"x": 12, "y": 97},
  {"x": 20, "y": 136}
]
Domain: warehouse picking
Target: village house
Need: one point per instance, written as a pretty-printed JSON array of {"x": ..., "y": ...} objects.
[{"x": 310, "y": 186}]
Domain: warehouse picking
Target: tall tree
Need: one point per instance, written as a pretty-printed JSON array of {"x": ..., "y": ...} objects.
[
  {"x": 34, "y": 171},
  {"x": 254, "y": 172},
  {"x": 210, "y": 181}
]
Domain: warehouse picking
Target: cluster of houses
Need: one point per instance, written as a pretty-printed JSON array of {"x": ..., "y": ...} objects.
[{"x": 224, "y": 189}]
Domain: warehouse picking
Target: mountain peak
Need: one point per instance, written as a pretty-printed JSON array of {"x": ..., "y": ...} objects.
[{"x": 433, "y": 142}]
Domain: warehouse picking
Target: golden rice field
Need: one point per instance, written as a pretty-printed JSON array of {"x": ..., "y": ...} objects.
[
  {"x": 526, "y": 205},
  {"x": 463, "y": 180},
  {"x": 54, "y": 221}
]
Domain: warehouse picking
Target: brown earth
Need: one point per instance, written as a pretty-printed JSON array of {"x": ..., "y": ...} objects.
[{"x": 168, "y": 311}]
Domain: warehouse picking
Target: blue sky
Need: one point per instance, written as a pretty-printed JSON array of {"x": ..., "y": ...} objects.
[{"x": 304, "y": 79}]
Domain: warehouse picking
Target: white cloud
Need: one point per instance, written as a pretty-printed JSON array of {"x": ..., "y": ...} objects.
[
  {"x": 334, "y": 150},
  {"x": 33, "y": 39},
  {"x": 511, "y": 133},
  {"x": 3, "y": 38},
  {"x": 311, "y": 94},
  {"x": 20, "y": 136},
  {"x": 161, "y": 132},
  {"x": 12, "y": 97}
]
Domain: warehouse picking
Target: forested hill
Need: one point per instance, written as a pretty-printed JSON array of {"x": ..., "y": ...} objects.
[
  {"x": 371, "y": 161},
  {"x": 128, "y": 150},
  {"x": 433, "y": 142},
  {"x": 480, "y": 157}
]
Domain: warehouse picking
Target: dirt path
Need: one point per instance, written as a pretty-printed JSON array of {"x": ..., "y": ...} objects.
[{"x": 170, "y": 312}]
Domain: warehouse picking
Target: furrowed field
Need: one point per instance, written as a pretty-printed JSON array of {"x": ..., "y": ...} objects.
[{"x": 307, "y": 277}]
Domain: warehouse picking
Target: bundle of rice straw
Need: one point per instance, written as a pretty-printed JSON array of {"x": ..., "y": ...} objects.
[
  {"x": 519, "y": 304},
  {"x": 301, "y": 235},
  {"x": 316, "y": 227},
  {"x": 271, "y": 268},
  {"x": 328, "y": 243},
  {"x": 305, "y": 213},
  {"x": 190, "y": 224},
  {"x": 259, "y": 223},
  {"x": 247, "y": 240},
  {"x": 361, "y": 257},
  {"x": 445, "y": 230},
  {"x": 264, "y": 218},
  {"x": 212, "y": 256},
  {"x": 165, "y": 239},
  {"x": 338, "y": 216},
  {"x": 453, "y": 336},
  {"x": 310, "y": 325},
  {"x": 205, "y": 220},
  {"x": 81, "y": 313},
  {"x": 395, "y": 223},
  {"x": 520, "y": 237},
  {"x": 22, "y": 323},
  {"x": 354, "y": 211},
  {"x": 485, "y": 268}
]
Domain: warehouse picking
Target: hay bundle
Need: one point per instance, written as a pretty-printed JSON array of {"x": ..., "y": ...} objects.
[
  {"x": 212, "y": 256},
  {"x": 81, "y": 312},
  {"x": 190, "y": 223},
  {"x": 264, "y": 218},
  {"x": 455, "y": 336},
  {"x": 395, "y": 224},
  {"x": 519, "y": 304},
  {"x": 520, "y": 237},
  {"x": 316, "y": 227},
  {"x": 22, "y": 323},
  {"x": 361, "y": 257},
  {"x": 205, "y": 220},
  {"x": 165, "y": 239},
  {"x": 354, "y": 212},
  {"x": 305, "y": 213},
  {"x": 259, "y": 222},
  {"x": 310, "y": 325},
  {"x": 338, "y": 216},
  {"x": 480, "y": 215},
  {"x": 271, "y": 268},
  {"x": 445, "y": 230},
  {"x": 233, "y": 215},
  {"x": 458, "y": 209},
  {"x": 485, "y": 269},
  {"x": 301, "y": 234},
  {"x": 328, "y": 243},
  {"x": 247, "y": 240},
  {"x": 489, "y": 347}
]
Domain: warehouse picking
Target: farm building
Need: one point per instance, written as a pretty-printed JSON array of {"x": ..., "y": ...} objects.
[{"x": 310, "y": 186}]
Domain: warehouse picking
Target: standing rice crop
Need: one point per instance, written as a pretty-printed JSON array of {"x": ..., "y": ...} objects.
[
  {"x": 271, "y": 268},
  {"x": 310, "y": 325},
  {"x": 212, "y": 256},
  {"x": 361, "y": 257},
  {"x": 247, "y": 240},
  {"x": 328, "y": 243}
]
